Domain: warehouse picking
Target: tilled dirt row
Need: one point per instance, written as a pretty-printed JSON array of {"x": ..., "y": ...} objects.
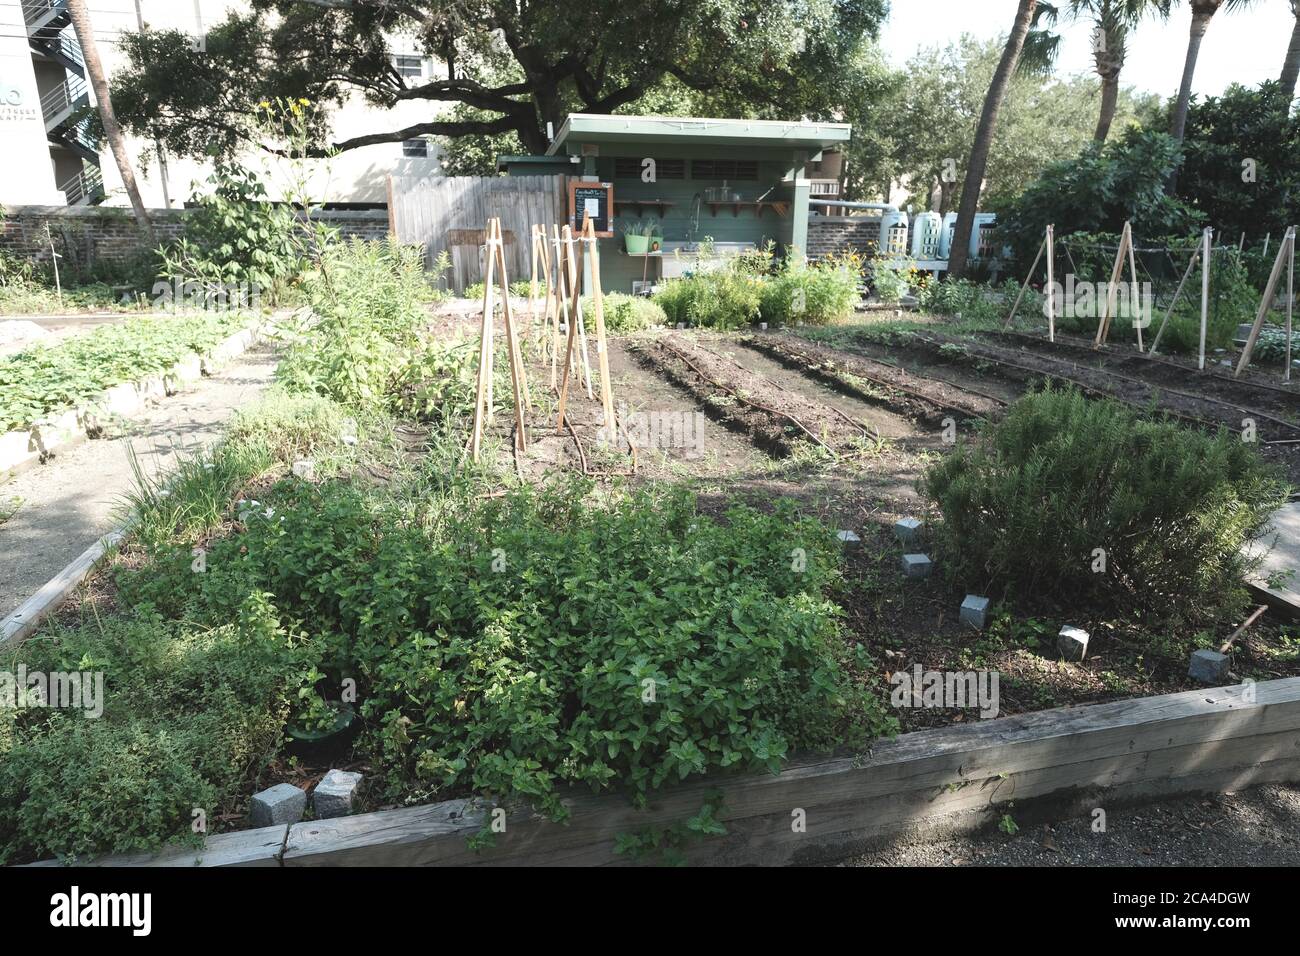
[
  {"x": 929, "y": 400},
  {"x": 1242, "y": 393},
  {"x": 1026, "y": 365},
  {"x": 776, "y": 418}
]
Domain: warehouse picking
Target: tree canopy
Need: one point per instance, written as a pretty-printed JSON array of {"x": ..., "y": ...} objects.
[{"x": 509, "y": 66}]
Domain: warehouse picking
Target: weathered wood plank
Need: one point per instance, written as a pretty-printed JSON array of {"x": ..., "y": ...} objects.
[
  {"x": 261, "y": 847},
  {"x": 1214, "y": 735}
]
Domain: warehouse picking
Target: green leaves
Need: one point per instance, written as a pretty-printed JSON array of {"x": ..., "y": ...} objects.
[
  {"x": 44, "y": 379},
  {"x": 1169, "y": 506}
]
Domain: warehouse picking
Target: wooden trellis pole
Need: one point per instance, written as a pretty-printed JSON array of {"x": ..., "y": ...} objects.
[
  {"x": 1112, "y": 290},
  {"x": 1051, "y": 282},
  {"x": 598, "y": 303},
  {"x": 1028, "y": 277},
  {"x": 1283, "y": 251},
  {"x": 1134, "y": 293},
  {"x": 495, "y": 260},
  {"x": 518, "y": 375},
  {"x": 1191, "y": 265},
  {"x": 1207, "y": 252}
]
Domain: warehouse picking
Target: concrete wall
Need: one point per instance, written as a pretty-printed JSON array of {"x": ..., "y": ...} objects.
[
  {"x": 28, "y": 175},
  {"x": 91, "y": 235}
]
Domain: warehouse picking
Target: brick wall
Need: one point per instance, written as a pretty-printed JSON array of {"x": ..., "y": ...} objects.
[
  {"x": 831, "y": 234},
  {"x": 108, "y": 234}
]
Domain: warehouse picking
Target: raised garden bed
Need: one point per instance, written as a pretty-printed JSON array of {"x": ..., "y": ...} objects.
[{"x": 943, "y": 780}]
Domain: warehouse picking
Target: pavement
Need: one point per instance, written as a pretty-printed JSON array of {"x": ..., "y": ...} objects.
[{"x": 65, "y": 505}]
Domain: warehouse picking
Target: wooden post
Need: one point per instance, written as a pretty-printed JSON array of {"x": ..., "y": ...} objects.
[
  {"x": 518, "y": 383},
  {"x": 1269, "y": 291},
  {"x": 1207, "y": 250},
  {"x": 1021, "y": 294},
  {"x": 483, "y": 390},
  {"x": 1290, "y": 297},
  {"x": 566, "y": 263},
  {"x": 574, "y": 265},
  {"x": 1134, "y": 294},
  {"x": 553, "y": 263},
  {"x": 1051, "y": 282},
  {"x": 1196, "y": 256},
  {"x": 1103, "y": 326},
  {"x": 602, "y": 353}
]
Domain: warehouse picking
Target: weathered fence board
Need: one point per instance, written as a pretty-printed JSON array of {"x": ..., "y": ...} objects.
[{"x": 449, "y": 214}]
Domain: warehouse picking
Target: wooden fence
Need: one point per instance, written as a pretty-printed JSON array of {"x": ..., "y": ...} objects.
[{"x": 451, "y": 213}]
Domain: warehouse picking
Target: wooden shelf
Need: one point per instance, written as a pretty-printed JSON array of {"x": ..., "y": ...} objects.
[
  {"x": 781, "y": 208},
  {"x": 641, "y": 204}
]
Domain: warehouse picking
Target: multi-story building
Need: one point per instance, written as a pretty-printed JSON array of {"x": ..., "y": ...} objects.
[{"x": 45, "y": 102}]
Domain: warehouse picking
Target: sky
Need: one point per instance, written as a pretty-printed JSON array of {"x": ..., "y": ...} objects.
[{"x": 1243, "y": 47}]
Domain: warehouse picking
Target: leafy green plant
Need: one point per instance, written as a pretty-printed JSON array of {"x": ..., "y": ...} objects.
[
  {"x": 627, "y": 313},
  {"x": 235, "y": 236},
  {"x": 43, "y": 379},
  {"x": 809, "y": 293},
  {"x": 721, "y": 299},
  {"x": 1027, "y": 508}
]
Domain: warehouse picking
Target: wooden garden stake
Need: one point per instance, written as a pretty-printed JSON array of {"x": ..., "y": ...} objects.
[
  {"x": 573, "y": 261},
  {"x": 1103, "y": 327},
  {"x": 1155, "y": 344},
  {"x": 1207, "y": 251},
  {"x": 1016, "y": 305},
  {"x": 1134, "y": 294},
  {"x": 602, "y": 353},
  {"x": 1269, "y": 291},
  {"x": 518, "y": 383},
  {"x": 1290, "y": 299},
  {"x": 1051, "y": 283},
  {"x": 483, "y": 390}
]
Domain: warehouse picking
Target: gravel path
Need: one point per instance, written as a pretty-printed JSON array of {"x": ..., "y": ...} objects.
[
  {"x": 1256, "y": 827},
  {"x": 68, "y": 503}
]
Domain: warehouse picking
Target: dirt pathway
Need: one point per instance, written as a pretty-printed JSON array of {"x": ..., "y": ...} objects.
[
  {"x": 66, "y": 504},
  {"x": 1256, "y": 827}
]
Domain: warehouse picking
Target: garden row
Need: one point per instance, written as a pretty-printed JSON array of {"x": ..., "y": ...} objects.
[{"x": 51, "y": 396}]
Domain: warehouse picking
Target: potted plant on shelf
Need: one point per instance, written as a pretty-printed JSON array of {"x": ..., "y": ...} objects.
[{"x": 637, "y": 236}]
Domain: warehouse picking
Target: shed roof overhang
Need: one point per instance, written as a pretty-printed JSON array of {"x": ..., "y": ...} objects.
[{"x": 796, "y": 135}]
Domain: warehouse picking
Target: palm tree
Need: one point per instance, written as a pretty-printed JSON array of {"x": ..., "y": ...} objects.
[
  {"x": 1203, "y": 12},
  {"x": 1291, "y": 68},
  {"x": 1112, "y": 21},
  {"x": 1041, "y": 49},
  {"x": 112, "y": 131}
]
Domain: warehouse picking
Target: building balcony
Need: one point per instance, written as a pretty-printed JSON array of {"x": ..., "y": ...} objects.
[{"x": 45, "y": 16}]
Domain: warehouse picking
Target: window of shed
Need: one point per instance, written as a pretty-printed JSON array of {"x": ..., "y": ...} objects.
[
  {"x": 629, "y": 167},
  {"x": 735, "y": 170},
  {"x": 416, "y": 147}
]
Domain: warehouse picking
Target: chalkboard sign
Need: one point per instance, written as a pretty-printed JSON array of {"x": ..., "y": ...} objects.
[{"x": 594, "y": 201}]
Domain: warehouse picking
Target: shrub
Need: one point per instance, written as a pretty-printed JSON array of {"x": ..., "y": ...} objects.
[
  {"x": 722, "y": 299},
  {"x": 814, "y": 294},
  {"x": 1062, "y": 475},
  {"x": 976, "y": 302},
  {"x": 191, "y": 714},
  {"x": 627, "y": 313},
  {"x": 367, "y": 311}
]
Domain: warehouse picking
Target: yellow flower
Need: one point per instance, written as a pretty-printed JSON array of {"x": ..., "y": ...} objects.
[{"x": 304, "y": 101}]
